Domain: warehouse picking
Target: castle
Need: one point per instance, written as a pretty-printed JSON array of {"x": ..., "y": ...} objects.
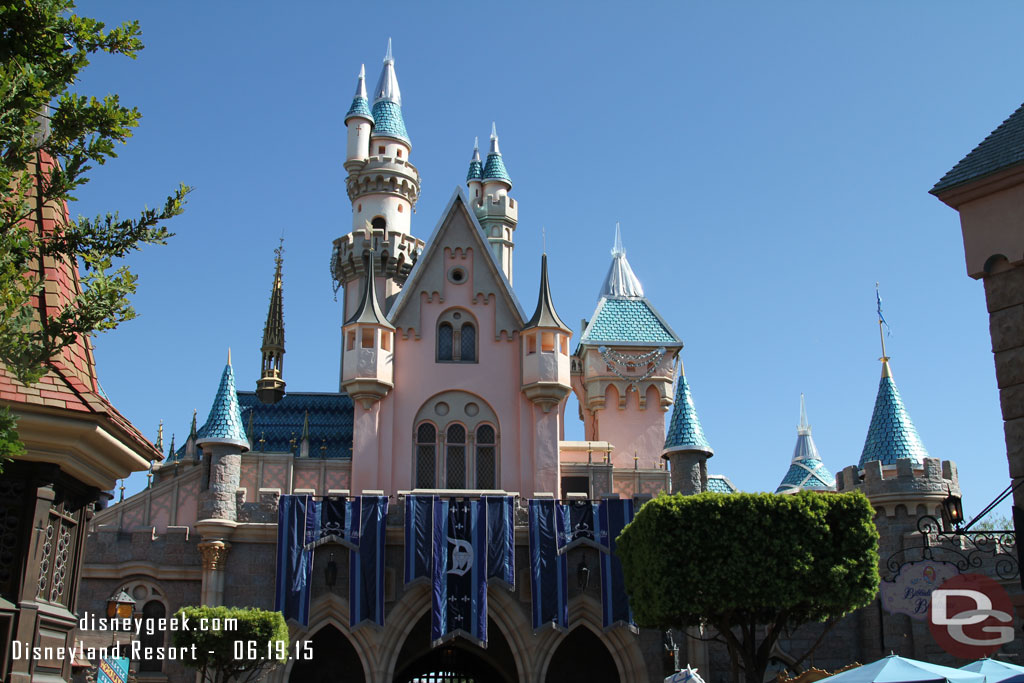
[{"x": 448, "y": 385}]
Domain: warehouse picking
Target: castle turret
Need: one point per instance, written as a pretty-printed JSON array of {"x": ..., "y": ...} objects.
[
  {"x": 270, "y": 385},
  {"x": 545, "y": 350},
  {"x": 623, "y": 369},
  {"x": 891, "y": 434},
  {"x": 497, "y": 212},
  {"x": 383, "y": 187},
  {"x": 475, "y": 176},
  {"x": 806, "y": 470},
  {"x": 359, "y": 122},
  {"x": 367, "y": 362},
  {"x": 686, "y": 447},
  {"x": 222, "y": 440}
]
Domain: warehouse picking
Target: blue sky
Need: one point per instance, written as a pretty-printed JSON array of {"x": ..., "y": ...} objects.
[{"x": 768, "y": 163}]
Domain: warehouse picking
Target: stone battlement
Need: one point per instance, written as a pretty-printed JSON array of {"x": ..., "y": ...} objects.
[{"x": 888, "y": 486}]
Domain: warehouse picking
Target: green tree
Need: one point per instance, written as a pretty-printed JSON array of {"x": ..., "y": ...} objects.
[
  {"x": 44, "y": 46},
  {"x": 242, "y": 650},
  {"x": 750, "y": 566}
]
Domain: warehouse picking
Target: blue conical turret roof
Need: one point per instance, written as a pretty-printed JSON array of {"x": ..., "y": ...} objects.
[
  {"x": 806, "y": 470},
  {"x": 684, "y": 430},
  {"x": 360, "y": 105},
  {"x": 891, "y": 435},
  {"x": 495, "y": 169},
  {"x": 387, "y": 103},
  {"x": 224, "y": 425},
  {"x": 476, "y": 169}
]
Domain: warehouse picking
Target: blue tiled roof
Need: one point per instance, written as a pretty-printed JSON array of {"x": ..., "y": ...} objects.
[
  {"x": 360, "y": 107},
  {"x": 806, "y": 471},
  {"x": 388, "y": 121},
  {"x": 718, "y": 483},
  {"x": 495, "y": 169},
  {"x": 476, "y": 170},
  {"x": 629, "y": 320},
  {"x": 224, "y": 425},
  {"x": 891, "y": 435},
  {"x": 330, "y": 423},
  {"x": 684, "y": 430}
]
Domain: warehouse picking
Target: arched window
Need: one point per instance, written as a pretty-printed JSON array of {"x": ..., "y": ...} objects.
[
  {"x": 151, "y": 612},
  {"x": 426, "y": 456},
  {"x": 444, "y": 341},
  {"x": 467, "y": 343},
  {"x": 455, "y": 462},
  {"x": 378, "y": 223},
  {"x": 486, "y": 467},
  {"x": 456, "y": 337}
]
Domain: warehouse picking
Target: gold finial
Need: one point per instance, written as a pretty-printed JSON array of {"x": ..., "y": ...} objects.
[
  {"x": 122, "y": 492},
  {"x": 262, "y": 439},
  {"x": 636, "y": 461},
  {"x": 229, "y": 355},
  {"x": 149, "y": 476},
  {"x": 279, "y": 254}
]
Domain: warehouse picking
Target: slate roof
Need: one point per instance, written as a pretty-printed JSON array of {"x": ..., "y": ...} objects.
[
  {"x": 224, "y": 424},
  {"x": 388, "y": 121},
  {"x": 330, "y": 423},
  {"x": 545, "y": 314},
  {"x": 684, "y": 430},
  {"x": 719, "y": 483},
  {"x": 806, "y": 470},
  {"x": 495, "y": 169},
  {"x": 628, "y": 320},
  {"x": 1004, "y": 147},
  {"x": 476, "y": 170},
  {"x": 360, "y": 107},
  {"x": 891, "y": 435}
]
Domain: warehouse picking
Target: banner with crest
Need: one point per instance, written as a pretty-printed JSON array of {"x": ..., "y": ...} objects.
[
  {"x": 366, "y": 567},
  {"x": 549, "y": 579},
  {"x": 419, "y": 534},
  {"x": 459, "y": 595}
]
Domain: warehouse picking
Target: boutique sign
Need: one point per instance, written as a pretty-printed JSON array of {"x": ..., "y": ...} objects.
[{"x": 910, "y": 591}]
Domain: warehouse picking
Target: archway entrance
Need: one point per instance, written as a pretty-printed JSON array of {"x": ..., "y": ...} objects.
[
  {"x": 582, "y": 658},
  {"x": 456, "y": 661},
  {"x": 334, "y": 660}
]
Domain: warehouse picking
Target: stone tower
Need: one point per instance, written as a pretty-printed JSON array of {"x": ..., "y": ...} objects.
[
  {"x": 489, "y": 185},
  {"x": 686, "y": 447},
  {"x": 270, "y": 385},
  {"x": 623, "y": 368},
  {"x": 383, "y": 187}
]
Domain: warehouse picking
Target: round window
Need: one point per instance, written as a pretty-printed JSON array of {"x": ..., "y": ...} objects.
[{"x": 457, "y": 275}]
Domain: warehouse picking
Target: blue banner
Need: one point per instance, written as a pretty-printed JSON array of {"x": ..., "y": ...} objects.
[
  {"x": 613, "y": 515},
  {"x": 548, "y": 571},
  {"x": 112, "y": 670},
  {"x": 459, "y": 595},
  {"x": 296, "y": 526},
  {"x": 336, "y": 523},
  {"x": 366, "y": 567},
  {"x": 501, "y": 539},
  {"x": 419, "y": 529},
  {"x": 577, "y": 525}
]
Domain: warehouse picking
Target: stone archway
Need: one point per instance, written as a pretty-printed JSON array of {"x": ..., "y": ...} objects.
[
  {"x": 456, "y": 660},
  {"x": 335, "y": 660},
  {"x": 582, "y": 657}
]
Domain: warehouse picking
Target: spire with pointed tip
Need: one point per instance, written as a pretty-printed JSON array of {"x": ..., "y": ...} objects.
[
  {"x": 685, "y": 432},
  {"x": 171, "y": 454},
  {"x": 192, "y": 430},
  {"x": 891, "y": 434},
  {"x": 476, "y": 169},
  {"x": 160, "y": 437},
  {"x": 806, "y": 470},
  {"x": 360, "y": 104},
  {"x": 621, "y": 281},
  {"x": 224, "y": 425},
  {"x": 545, "y": 315},
  {"x": 369, "y": 310},
  {"x": 270, "y": 385},
  {"x": 387, "y": 103},
  {"x": 495, "y": 169}
]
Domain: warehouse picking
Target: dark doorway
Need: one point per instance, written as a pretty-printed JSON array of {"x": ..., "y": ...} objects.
[
  {"x": 334, "y": 660},
  {"x": 582, "y": 658},
  {"x": 456, "y": 661}
]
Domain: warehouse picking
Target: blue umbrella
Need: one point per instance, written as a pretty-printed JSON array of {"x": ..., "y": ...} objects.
[
  {"x": 996, "y": 671},
  {"x": 896, "y": 669}
]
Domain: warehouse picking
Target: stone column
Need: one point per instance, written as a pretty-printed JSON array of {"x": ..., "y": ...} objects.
[
  {"x": 215, "y": 555},
  {"x": 689, "y": 472},
  {"x": 218, "y": 501}
]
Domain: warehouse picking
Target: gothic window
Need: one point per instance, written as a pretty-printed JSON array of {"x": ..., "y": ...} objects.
[
  {"x": 467, "y": 343},
  {"x": 486, "y": 467},
  {"x": 444, "y": 341},
  {"x": 455, "y": 461},
  {"x": 426, "y": 456},
  {"x": 457, "y": 337},
  {"x": 151, "y": 612}
]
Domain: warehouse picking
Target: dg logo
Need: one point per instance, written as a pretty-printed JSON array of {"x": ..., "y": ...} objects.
[{"x": 971, "y": 616}]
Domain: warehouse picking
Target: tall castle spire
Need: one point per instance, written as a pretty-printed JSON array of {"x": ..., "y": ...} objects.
[
  {"x": 494, "y": 169},
  {"x": 620, "y": 281},
  {"x": 476, "y": 168},
  {"x": 224, "y": 424},
  {"x": 387, "y": 103},
  {"x": 270, "y": 386},
  {"x": 360, "y": 104},
  {"x": 806, "y": 470}
]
